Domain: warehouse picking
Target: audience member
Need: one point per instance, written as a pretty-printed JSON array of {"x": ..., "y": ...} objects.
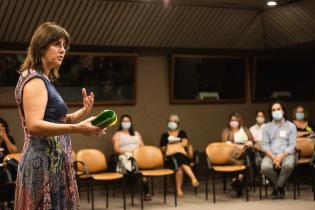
[
  {"x": 173, "y": 143},
  {"x": 278, "y": 143}
]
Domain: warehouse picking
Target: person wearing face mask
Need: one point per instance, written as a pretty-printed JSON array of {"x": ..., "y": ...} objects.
[
  {"x": 125, "y": 141},
  {"x": 278, "y": 143},
  {"x": 256, "y": 130},
  {"x": 242, "y": 140},
  {"x": 173, "y": 143},
  {"x": 300, "y": 119},
  {"x": 7, "y": 144}
]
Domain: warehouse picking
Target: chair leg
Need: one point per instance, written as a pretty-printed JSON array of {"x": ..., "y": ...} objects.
[
  {"x": 152, "y": 186},
  {"x": 92, "y": 194},
  {"x": 165, "y": 189},
  {"x": 213, "y": 186},
  {"x": 206, "y": 180},
  {"x": 141, "y": 192},
  {"x": 247, "y": 180},
  {"x": 114, "y": 188},
  {"x": 224, "y": 183},
  {"x": 175, "y": 193},
  {"x": 124, "y": 192},
  {"x": 260, "y": 184},
  {"x": 88, "y": 190},
  {"x": 106, "y": 192},
  {"x": 266, "y": 189},
  {"x": 132, "y": 189},
  {"x": 298, "y": 180},
  {"x": 294, "y": 183}
]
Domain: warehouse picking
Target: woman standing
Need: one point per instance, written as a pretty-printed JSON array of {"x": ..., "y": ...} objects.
[{"x": 46, "y": 178}]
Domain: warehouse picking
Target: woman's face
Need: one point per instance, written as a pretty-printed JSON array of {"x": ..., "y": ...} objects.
[
  {"x": 126, "y": 123},
  {"x": 54, "y": 53},
  {"x": 260, "y": 118}
]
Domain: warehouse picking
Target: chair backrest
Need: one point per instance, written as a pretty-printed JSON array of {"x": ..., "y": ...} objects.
[
  {"x": 305, "y": 147},
  {"x": 148, "y": 157},
  {"x": 94, "y": 159},
  {"x": 16, "y": 156},
  {"x": 219, "y": 153}
]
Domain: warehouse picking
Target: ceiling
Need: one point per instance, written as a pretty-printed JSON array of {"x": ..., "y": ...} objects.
[
  {"x": 243, "y": 4},
  {"x": 207, "y": 24}
]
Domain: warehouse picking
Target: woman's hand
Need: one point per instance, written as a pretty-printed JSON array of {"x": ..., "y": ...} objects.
[
  {"x": 249, "y": 144},
  {"x": 86, "y": 128},
  {"x": 88, "y": 101}
]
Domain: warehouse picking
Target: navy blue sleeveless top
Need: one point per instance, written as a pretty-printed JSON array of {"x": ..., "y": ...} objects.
[{"x": 56, "y": 108}]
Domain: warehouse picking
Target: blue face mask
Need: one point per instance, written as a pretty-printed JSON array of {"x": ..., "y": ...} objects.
[
  {"x": 126, "y": 125},
  {"x": 172, "y": 125},
  {"x": 277, "y": 115},
  {"x": 299, "y": 116}
]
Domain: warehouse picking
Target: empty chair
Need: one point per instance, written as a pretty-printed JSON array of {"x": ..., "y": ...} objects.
[
  {"x": 305, "y": 157},
  {"x": 149, "y": 160},
  {"x": 92, "y": 164}
]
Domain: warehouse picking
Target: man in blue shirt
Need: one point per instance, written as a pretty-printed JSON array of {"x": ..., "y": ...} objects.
[{"x": 278, "y": 142}]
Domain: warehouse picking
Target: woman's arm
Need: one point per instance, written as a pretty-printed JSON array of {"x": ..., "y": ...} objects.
[
  {"x": 184, "y": 142},
  {"x": 35, "y": 99},
  {"x": 88, "y": 102},
  {"x": 141, "y": 144},
  {"x": 116, "y": 146},
  {"x": 302, "y": 133},
  {"x": 225, "y": 135}
]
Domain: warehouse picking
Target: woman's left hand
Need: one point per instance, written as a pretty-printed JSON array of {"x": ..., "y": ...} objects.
[{"x": 88, "y": 101}]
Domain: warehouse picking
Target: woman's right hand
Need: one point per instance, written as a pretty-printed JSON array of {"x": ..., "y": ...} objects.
[{"x": 86, "y": 128}]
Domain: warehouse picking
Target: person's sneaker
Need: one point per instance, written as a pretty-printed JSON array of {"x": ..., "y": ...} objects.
[
  {"x": 274, "y": 194},
  {"x": 281, "y": 193}
]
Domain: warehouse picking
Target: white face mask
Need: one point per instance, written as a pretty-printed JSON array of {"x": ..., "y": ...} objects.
[
  {"x": 260, "y": 120},
  {"x": 172, "y": 125},
  {"x": 126, "y": 125},
  {"x": 277, "y": 115}
]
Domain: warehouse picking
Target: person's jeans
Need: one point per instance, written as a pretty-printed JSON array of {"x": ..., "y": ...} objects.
[{"x": 287, "y": 166}]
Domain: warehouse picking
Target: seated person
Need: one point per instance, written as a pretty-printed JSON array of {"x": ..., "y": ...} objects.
[
  {"x": 300, "y": 120},
  {"x": 256, "y": 130},
  {"x": 7, "y": 144},
  {"x": 173, "y": 143},
  {"x": 125, "y": 141},
  {"x": 240, "y": 137},
  {"x": 278, "y": 143}
]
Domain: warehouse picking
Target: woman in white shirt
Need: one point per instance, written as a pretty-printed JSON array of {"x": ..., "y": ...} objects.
[
  {"x": 125, "y": 141},
  {"x": 256, "y": 130}
]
